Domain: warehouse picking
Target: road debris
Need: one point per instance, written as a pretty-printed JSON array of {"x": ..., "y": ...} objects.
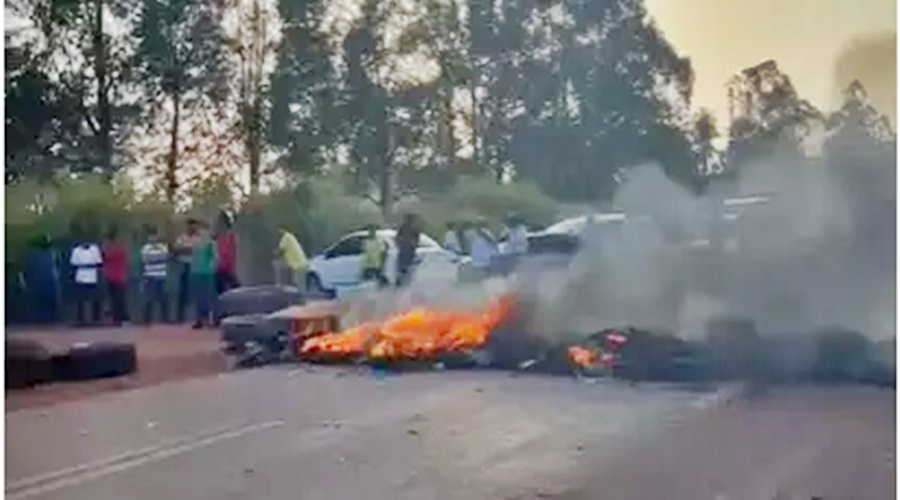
[{"x": 524, "y": 365}]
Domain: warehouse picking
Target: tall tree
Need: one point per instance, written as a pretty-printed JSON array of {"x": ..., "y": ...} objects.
[
  {"x": 860, "y": 150},
  {"x": 181, "y": 60},
  {"x": 368, "y": 108},
  {"x": 79, "y": 49},
  {"x": 705, "y": 132},
  {"x": 767, "y": 115},
  {"x": 304, "y": 93},
  {"x": 601, "y": 89},
  {"x": 254, "y": 42}
]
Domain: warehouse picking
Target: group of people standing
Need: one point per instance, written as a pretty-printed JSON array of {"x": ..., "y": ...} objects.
[
  {"x": 474, "y": 239},
  {"x": 485, "y": 249},
  {"x": 204, "y": 262}
]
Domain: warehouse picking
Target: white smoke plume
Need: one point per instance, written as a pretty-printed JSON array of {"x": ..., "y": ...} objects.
[{"x": 816, "y": 254}]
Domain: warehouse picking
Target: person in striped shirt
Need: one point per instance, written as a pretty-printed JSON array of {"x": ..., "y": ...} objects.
[{"x": 155, "y": 263}]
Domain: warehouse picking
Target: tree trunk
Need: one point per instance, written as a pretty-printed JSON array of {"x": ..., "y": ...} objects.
[
  {"x": 103, "y": 106},
  {"x": 172, "y": 168},
  {"x": 447, "y": 117},
  {"x": 385, "y": 180},
  {"x": 254, "y": 145},
  {"x": 473, "y": 89}
]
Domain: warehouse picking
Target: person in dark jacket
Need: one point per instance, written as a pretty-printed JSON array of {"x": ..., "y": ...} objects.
[
  {"x": 41, "y": 280},
  {"x": 407, "y": 242}
]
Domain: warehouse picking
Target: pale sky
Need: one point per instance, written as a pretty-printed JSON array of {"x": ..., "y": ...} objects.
[{"x": 805, "y": 37}]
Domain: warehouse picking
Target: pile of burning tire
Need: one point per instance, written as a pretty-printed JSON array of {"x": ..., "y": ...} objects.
[
  {"x": 731, "y": 349},
  {"x": 493, "y": 337}
]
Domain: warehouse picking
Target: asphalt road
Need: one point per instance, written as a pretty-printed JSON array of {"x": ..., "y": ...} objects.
[{"x": 330, "y": 433}]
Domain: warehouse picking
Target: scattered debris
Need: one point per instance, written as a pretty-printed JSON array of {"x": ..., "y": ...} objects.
[
  {"x": 731, "y": 350},
  {"x": 524, "y": 365}
]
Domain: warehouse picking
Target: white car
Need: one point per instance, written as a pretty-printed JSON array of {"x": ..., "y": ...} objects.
[{"x": 340, "y": 266}]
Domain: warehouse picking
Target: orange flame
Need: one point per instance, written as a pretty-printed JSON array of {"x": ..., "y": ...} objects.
[
  {"x": 418, "y": 333},
  {"x": 583, "y": 357}
]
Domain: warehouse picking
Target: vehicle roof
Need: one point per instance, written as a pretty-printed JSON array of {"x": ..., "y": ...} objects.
[
  {"x": 386, "y": 234},
  {"x": 576, "y": 224},
  {"x": 382, "y": 233}
]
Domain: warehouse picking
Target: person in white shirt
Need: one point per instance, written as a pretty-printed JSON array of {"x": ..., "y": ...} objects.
[
  {"x": 482, "y": 248},
  {"x": 517, "y": 236},
  {"x": 451, "y": 240},
  {"x": 86, "y": 260}
]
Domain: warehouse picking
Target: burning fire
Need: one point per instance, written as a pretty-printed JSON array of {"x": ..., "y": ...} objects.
[
  {"x": 613, "y": 341},
  {"x": 582, "y": 357},
  {"x": 418, "y": 333}
]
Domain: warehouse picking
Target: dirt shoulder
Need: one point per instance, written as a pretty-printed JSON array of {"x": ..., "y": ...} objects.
[{"x": 165, "y": 353}]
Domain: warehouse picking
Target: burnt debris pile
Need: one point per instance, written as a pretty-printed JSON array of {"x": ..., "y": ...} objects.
[{"x": 730, "y": 350}]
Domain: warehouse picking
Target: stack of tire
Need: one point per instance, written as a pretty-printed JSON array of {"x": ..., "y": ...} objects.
[
  {"x": 648, "y": 356},
  {"x": 246, "y": 331},
  {"x": 28, "y": 363}
]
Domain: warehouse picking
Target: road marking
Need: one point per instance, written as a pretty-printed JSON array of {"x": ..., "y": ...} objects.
[
  {"x": 71, "y": 476},
  {"x": 129, "y": 455}
]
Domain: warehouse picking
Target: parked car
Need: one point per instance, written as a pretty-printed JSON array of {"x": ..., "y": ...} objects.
[
  {"x": 340, "y": 265},
  {"x": 564, "y": 237}
]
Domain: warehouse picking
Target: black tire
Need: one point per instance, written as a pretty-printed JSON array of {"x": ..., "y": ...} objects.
[
  {"x": 28, "y": 364},
  {"x": 97, "y": 360},
  {"x": 262, "y": 299},
  {"x": 237, "y": 330}
]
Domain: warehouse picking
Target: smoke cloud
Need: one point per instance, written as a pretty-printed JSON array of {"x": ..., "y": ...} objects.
[
  {"x": 817, "y": 254},
  {"x": 873, "y": 61}
]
